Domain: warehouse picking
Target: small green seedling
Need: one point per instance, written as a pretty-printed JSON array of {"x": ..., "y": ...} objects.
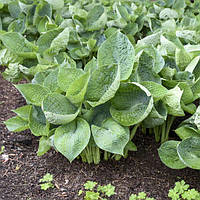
[
  {"x": 2, "y": 149},
  {"x": 140, "y": 196},
  {"x": 46, "y": 182},
  {"x": 182, "y": 191},
  {"x": 94, "y": 191}
]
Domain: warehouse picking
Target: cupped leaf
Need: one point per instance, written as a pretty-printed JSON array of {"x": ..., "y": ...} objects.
[
  {"x": 33, "y": 93},
  {"x": 58, "y": 109},
  {"x": 16, "y": 124},
  {"x": 189, "y": 152},
  {"x": 103, "y": 84},
  {"x": 111, "y": 136},
  {"x": 117, "y": 50},
  {"x": 71, "y": 139},
  {"x": 77, "y": 90},
  {"x": 172, "y": 100},
  {"x": 169, "y": 156},
  {"x": 38, "y": 123},
  {"x": 131, "y": 104}
]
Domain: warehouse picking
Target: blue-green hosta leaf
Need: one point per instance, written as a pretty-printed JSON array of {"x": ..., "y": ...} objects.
[
  {"x": 145, "y": 70},
  {"x": 172, "y": 100},
  {"x": 58, "y": 4},
  {"x": 44, "y": 145},
  {"x": 189, "y": 152},
  {"x": 33, "y": 93},
  {"x": 168, "y": 13},
  {"x": 103, "y": 84},
  {"x": 44, "y": 42},
  {"x": 131, "y": 104},
  {"x": 117, "y": 50},
  {"x": 51, "y": 81},
  {"x": 66, "y": 76},
  {"x": 23, "y": 112},
  {"x": 169, "y": 156},
  {"x": 157, "y": 90},
  {"x": 60, "y": 42},
  {"x": 58, "y": 109},
  {"x": 77, "y": 90},
  {"x": 18, "y": 44},
  {"x": 111, "y": 136},
  {"x": 96, "y": 18},
  {"x": 38, "y": 123},
  {"x": 16, "y": 124},
  {"x": 71, "y": 139},
  {"x": 182, "y": 58},
  {"x": 157, "y": 116}
]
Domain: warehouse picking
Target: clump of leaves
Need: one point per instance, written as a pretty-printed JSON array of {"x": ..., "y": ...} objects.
[
  {"x": 182, "y": 191},
  {"x": 46, "y": 181},
  {"x": 140, "y": 196},
  {"x": 94, "y": 191}
]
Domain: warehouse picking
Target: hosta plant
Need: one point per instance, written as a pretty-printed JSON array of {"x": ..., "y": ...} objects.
[{"x": 98, "y": 70}]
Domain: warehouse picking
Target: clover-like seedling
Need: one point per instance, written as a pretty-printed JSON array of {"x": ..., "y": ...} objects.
[{"x": 46, "y": 181}]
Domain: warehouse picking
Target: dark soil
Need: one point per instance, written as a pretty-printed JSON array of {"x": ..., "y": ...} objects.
[{"x": 20, "y": 173}]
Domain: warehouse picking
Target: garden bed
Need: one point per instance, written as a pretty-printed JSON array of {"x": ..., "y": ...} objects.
[{"x": 20, "y": 173}]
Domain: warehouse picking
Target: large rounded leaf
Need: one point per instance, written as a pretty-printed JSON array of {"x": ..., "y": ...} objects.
[
  {"x": 71, "y": 139},
  {"x": 103, "y": 84},
  {"x": 58, "y": 109},
  {"x": 131, "y": 104},
  {"x": 111, "y": 136},
  {"x": 117, "y": 50},
  {"x": 169, "y": 156},
  {"x": 189, "y": 152}
]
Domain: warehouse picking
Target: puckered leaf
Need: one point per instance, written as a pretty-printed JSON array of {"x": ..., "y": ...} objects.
[
  {"x": 58, "y": 109},
  {"x": 33, "y": 93},
  {"x": 169, "y": 156},
  {"x": 189, "y": 152},
  {"x": 71, "y": 139},
  {"x": 103, "y": 84},
  {"x": 131, "y": 104},
  {"x": 66, "y": 76},
  {"x": 117, "y": 50},
  {"x": 111, "y": 136}
]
